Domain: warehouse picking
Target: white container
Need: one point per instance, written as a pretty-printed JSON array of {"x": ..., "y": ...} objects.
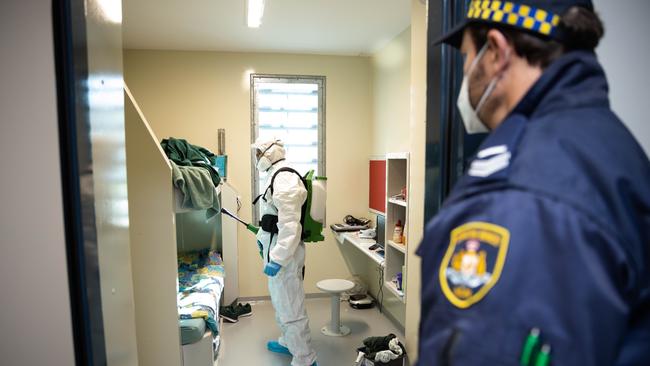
[
  {"x": 397, "y": 233},
  {"x": 318, "y": 199}
]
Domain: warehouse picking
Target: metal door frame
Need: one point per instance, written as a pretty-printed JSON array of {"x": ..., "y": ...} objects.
[{"x": 71, "y": 59}]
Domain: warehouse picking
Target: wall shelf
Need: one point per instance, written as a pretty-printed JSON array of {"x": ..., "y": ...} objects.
[
  {"x": 397, "y": 202},
  {"x": 400, "y": 247},
  {"x": 393, "y": 290}
]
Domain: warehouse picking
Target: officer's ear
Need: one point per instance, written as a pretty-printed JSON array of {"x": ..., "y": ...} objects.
[{"x": 498, "y": 53}]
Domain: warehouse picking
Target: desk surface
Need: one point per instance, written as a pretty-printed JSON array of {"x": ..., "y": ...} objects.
[{"x": 361, "y": 244}]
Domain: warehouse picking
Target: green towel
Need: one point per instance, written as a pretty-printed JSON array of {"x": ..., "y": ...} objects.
[
  {"x": 183, "y": 153},
  {"x": 197, "y": 188}
]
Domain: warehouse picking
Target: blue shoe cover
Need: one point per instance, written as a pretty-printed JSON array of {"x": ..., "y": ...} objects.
[
  {"x": 275, "y": 346},
  {"x": 314, "y": 364}
]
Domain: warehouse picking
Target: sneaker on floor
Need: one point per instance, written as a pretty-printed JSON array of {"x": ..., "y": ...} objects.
[
  {"x": 229, "y": 314},
  {"x": 243, "y": 310},
  {"x": 276, "y": 347}
]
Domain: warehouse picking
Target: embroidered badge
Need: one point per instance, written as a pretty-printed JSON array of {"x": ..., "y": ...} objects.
[{"x": 473, "y": 262}]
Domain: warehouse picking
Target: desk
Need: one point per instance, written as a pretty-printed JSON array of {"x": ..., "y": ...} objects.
[{"x": 361, "y": 244}]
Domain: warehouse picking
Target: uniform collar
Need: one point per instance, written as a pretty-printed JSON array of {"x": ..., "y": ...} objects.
[{"x": 574, "y": 80}]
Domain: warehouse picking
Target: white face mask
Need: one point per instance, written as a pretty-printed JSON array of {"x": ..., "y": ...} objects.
[
  {"x": 263, "y": 164},
  {"x": 472, "y": 121}
]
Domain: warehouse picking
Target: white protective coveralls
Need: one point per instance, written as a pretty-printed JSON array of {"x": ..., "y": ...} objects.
[{"x": 287, "y": 249}]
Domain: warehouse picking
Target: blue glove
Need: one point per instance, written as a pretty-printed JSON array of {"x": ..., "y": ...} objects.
[{"x": 271, "y": 269}]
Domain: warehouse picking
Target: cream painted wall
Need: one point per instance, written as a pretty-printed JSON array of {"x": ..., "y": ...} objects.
[
  {"x": 192, "y": 94},
  {"x": 391, "y": 70},
  {"x": 417, "y": 128},
  {"x": 390, "y": 129}
]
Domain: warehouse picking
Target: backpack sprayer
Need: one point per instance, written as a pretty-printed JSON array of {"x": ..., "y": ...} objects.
[
  {"x": 312, "y": 214},
  {"x": 250, "y": 227}
]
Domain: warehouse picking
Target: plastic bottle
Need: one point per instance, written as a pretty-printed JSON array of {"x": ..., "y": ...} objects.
[{"x": 397, "y": 233}]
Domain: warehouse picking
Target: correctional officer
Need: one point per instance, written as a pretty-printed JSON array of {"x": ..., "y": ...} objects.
[{"x": 541, "y": 254}]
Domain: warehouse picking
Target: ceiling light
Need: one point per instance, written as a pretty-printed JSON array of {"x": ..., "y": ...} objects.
[
  {"x": 255, "y": 11},
  {"x": 112, "y": 10}
]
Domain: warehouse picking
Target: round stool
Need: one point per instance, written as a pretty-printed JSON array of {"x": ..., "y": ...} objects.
[{"x": 335, "y": 288}]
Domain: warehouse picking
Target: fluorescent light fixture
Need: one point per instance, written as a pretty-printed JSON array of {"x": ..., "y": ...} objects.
[
  {"x": 254, "y": 12},
  {"x": 112, "y": 10}
]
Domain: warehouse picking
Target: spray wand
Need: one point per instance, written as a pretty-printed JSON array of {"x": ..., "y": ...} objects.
[{"x": 250, "y": 227}]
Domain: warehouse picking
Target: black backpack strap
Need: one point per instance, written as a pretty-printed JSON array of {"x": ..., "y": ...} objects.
[
  {"x": 304, "y": 183},
  {"x": 258, "y": 197},
  {"x": 287, "y": 169}
]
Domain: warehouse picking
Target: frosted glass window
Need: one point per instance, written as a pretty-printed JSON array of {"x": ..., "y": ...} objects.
[{"x": 291, "y": 108}]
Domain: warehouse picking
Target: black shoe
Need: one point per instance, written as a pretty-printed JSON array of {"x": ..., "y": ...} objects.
[
  {"x": 229, "y": 314},
  {"x": 243, "y": 310}
]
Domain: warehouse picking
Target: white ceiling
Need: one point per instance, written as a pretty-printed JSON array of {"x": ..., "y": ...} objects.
[{"x": 340, "y": 27}]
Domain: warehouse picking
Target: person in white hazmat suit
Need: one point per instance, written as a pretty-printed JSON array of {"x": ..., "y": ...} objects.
[{"x": 284, "y": 252}]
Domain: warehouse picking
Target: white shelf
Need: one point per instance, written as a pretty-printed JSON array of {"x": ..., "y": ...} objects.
[
  {"x": 399, "y": 247},
  {"x": 398, "y": 156},
  {"x": 362, "y": 244},
  {"x": 393, "y": 290},
  {"x": 397, "y": 202}
]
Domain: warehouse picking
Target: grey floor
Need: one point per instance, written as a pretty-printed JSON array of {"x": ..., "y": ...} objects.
[{"x": 244, "y": 343}]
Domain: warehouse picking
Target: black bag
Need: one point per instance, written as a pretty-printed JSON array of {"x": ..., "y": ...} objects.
[{"x": 269, "y": 223}]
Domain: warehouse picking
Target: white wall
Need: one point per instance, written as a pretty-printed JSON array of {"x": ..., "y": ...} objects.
[
  {"x": 35, "y": 307},
  {"x": 391, "y": 82},
  {"x": 625, "y": 54},
  {"x": 192, "y": 94}
]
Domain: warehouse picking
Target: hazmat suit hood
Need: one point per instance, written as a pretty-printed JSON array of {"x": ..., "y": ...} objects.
[{"x": 272, "y": 152}]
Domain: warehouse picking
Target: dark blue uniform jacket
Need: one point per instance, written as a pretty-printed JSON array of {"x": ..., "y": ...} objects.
[{"x": 548, "y": 229}]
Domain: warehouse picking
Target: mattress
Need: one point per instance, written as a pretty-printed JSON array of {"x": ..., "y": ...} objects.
[
  {"x": 191, "y": 330},
  {"x": 200, "y": 286}
]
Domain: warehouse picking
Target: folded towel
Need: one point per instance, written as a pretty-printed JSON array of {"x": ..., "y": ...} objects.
[{"x": 197, "y": 187}]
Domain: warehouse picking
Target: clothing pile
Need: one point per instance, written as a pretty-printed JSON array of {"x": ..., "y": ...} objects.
[
  {"x": 381, "y": 351},
  {"x": 194, "y": 175}
]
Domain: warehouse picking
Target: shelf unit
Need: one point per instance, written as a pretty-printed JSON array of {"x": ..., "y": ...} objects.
[{"x": 397, "y": 180}]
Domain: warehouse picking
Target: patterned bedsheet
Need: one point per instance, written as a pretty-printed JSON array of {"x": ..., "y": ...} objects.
[{"x": 200, "y": 284}]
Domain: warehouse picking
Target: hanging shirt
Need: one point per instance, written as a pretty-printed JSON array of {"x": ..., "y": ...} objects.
[{"x": 549, "y": 229}]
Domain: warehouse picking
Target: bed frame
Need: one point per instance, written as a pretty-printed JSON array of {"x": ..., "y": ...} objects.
[{"x": 153, "y": 244}]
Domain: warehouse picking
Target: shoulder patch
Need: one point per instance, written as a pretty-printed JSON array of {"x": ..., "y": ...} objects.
[{"x": 473, "y": 262}]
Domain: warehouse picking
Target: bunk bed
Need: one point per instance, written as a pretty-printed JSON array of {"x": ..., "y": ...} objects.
[
  {"x": 200, "y": 289},
  {"x": 169, "y": 330},
  {"x": 203, "y": 282}
]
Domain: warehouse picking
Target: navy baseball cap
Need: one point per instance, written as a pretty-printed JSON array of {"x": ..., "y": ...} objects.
[{"x": 540, "y": 17}]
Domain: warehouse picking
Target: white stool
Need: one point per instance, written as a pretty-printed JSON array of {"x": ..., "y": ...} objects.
[{"x": 335, "y": 288}]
